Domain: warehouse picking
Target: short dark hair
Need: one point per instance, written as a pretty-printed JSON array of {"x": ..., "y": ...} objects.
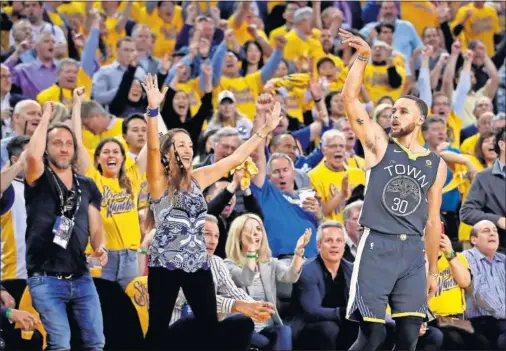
[
  {"x": 382, "y": 25},
  {"x": 126, "y": 121},
  {"x": 499, "y": 135},
  {"x": 74, "y": 139},
  {"x": 124, "y": 40},
  {"x": 422, "y": 106},
  {"x": 323, "y": 60},
  {"x": 16, "y": 145}
]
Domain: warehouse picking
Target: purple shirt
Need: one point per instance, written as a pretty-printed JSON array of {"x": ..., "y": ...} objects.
[{"x": 33, "y": 77}]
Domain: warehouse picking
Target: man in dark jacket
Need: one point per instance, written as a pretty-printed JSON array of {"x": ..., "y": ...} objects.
[
  {"x": 486, "y": 200},
  {"x": 320, "y": 296}
]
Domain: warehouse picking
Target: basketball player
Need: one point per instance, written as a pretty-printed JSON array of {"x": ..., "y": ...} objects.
[{"x": 401, "y": 206}]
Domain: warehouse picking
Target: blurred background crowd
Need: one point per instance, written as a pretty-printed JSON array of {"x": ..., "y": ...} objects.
[{"x": 216, "y": 58}]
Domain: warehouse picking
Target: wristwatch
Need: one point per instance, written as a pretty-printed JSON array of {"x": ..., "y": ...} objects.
[{"x": 450, "y": 256}]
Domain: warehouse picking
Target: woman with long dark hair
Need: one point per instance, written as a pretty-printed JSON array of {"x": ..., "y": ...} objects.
[
  {"x": 177, "y": 257},
  {"x": 119, "y": 180}
]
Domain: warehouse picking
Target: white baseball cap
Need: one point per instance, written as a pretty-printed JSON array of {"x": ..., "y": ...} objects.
[{"x": 226, "y": 94}]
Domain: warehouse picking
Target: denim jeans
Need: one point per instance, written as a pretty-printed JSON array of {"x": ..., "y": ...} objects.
[
  {"x": 122, "y": 267},
  {"x": 50, "y": 297},
  {"x": 274, "y": 337}
]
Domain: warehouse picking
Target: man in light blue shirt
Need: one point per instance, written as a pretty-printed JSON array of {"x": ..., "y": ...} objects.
[
  {"x": 486, "y": 305},
  {"x": 406, "y": 38},
  {"x": 108, "y": 78}
]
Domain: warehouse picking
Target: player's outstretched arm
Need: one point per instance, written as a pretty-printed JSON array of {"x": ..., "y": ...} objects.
[
  {"x": 433, "y": 228},
  {"x": 370, "y": 133}
]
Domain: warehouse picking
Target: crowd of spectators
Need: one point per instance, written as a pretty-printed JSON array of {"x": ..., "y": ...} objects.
[{"x": 281, "y": 229}]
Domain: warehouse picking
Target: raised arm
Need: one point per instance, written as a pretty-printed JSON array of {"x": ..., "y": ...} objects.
[
  {"x": 83, "y": 158},
  {"x": 433, "y": 228},
  {"x": 207, "y": 175},
  {"x": 154, "y": 166},
  {"x": 34, "y": 166},
  {"x": 10, "y": 172},
  {"x": 449, "y": 71},
  {"x": 370, "y": 134}
]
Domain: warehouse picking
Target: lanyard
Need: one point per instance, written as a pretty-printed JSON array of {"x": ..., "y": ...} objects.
[{"x": 60, "y": 193}]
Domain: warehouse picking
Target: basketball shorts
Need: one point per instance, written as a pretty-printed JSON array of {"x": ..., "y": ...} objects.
[{"x": 388, "y": 269}]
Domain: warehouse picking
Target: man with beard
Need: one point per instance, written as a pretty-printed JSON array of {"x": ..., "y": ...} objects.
[
  {"x": 63, "y": 214},
  {"x": 400, "y": 209}
]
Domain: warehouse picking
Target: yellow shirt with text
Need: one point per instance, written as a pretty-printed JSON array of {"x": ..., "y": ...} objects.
[
  {"x": 449, "y": 298},
  {"x": 481, "y": 25},
  {"x": 327, "y": 183},
  {"x": 376, "y": 82},
  {"x": 119, "y": 209}
]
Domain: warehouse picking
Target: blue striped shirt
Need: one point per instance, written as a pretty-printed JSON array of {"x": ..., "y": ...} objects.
[{"x": 487, "y": 298}]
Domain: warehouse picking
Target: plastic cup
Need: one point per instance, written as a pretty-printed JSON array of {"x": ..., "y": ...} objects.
[{"x": 95, "y": 267}]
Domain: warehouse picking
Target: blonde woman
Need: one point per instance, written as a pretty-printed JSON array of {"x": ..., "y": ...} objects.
[{"x": 255, "y": 270}]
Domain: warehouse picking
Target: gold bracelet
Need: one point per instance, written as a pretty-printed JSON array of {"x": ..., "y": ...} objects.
[
  {"x": 260, "y": 135},
  {"x": 363, "y": 58},
  {"x": 435, "y": 275}
]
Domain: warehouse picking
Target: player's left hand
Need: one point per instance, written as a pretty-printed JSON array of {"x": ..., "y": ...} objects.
[{"x": 431, "y": 286}]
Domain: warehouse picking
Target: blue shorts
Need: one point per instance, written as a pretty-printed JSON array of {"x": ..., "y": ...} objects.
[{"x": 388, "y": 269}]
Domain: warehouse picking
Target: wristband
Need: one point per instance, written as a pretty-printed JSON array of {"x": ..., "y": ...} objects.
[
  {"x": 435, "y": 275},
  {"x": 152, "y": 112},
  {"x": 321, "y": 218},
  {"x": 8, "y": 313},
  {"x": 451, "y": 256},
  {"x": 317, "y": 100},
  {"x": 363, "y": 58},
  {"x": 142, "y": 252},
  {"x": 260, "y": 135}
]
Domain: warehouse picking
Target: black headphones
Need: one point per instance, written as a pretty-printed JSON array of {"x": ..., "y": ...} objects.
[{"x": 499, "y": 135}]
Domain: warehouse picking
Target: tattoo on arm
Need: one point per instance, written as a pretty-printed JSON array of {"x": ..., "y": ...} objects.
[{"x": 360, "y": 121}]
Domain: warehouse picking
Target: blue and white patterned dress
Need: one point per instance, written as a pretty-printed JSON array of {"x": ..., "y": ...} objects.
[{"x": 179, "y": 238}]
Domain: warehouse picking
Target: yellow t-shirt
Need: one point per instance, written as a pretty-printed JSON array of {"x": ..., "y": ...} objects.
[
  {"x": 355, "y": 162},
  {"x": 119, "y": 209},
  {"x": 296, "y": 47},
  {"x": 376, "y": 82},
  {"x": 57, "y": 94},
  {"x": 481, "y": 25},
  {"x": 469, "y": 145},
  {"x": 420, "y": 13},
  {"x": 245, "y": 89},
  {"x": 241, "y": 32},
  {"x": 449, "y": 298},
  {"x": 166, "y": 33},
  {"x": 327, "y": 182},
  {"x": 454, "y": 124},
  {"x": 277, "y": 32},
  {"x": 91, "y": 140}
]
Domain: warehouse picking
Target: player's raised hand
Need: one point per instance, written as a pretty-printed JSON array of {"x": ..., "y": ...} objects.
[{"x": 355, "y": 42}]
